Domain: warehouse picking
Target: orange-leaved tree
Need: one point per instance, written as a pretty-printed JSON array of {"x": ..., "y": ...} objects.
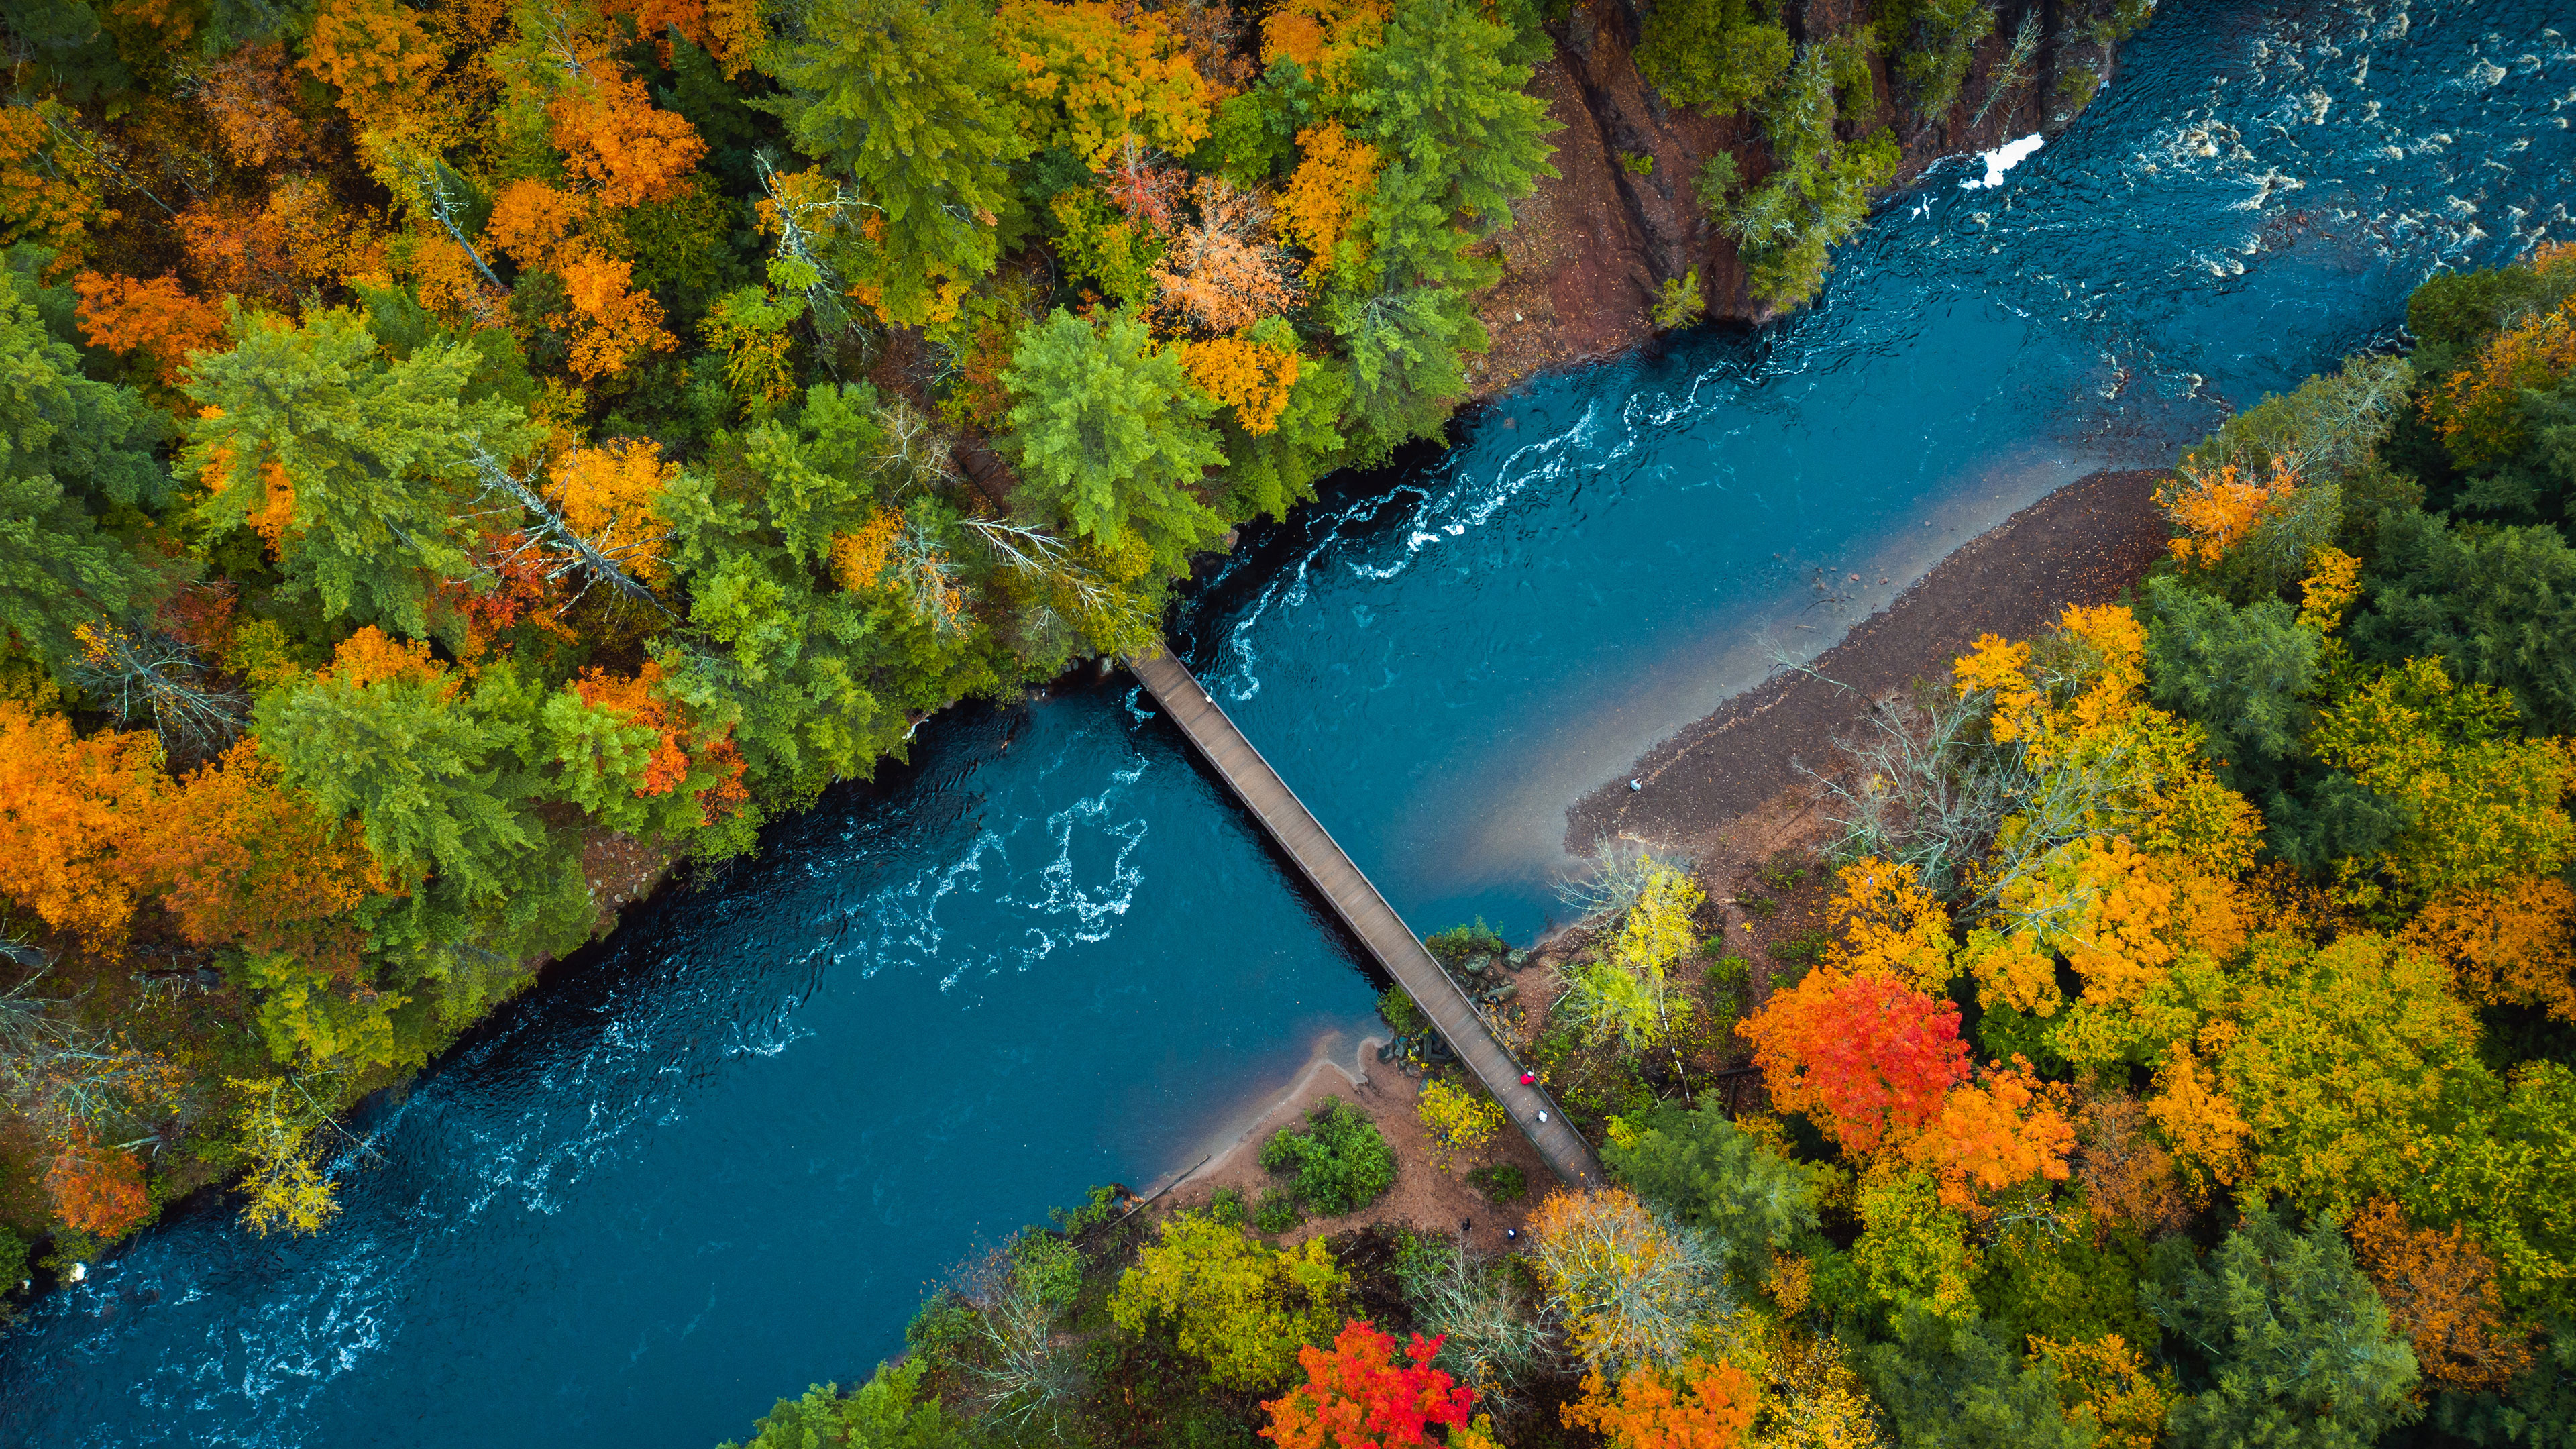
[
  {"x": 2003, "y": 1129},
  {"x": 611, "y": 322},
  {"x": 97, "y": 1190},
  {"x": 2513, "y": 942},
  {"x": 157, "y": 321},
  {"x": 2213, "y": 508},
  {"x": 69, "y": 807},
  {"x": 2105, "y": 1380},
  {"x": 2480, "y": 409},
  {"x": 1887, "y": 922},
  {"x": 1862, "y": 1054},
  {"x": 617, "y": 143},
  {"x": 1358, "y": 1397},
  {"x": 238, "y": 856},
  {"x": 2440, "y": 1288},
  {"x": 46, "y": 195},
  {"x": 1253, "y": 379},
  {"x": 1695, "y": 1407},
  {"x": 375, "y": 52},
  {"x": 1327, "y": 197},
  {"x": 611, "y": 496}
]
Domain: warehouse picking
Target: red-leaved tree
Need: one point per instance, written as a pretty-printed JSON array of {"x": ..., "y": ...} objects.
[
  {"x": 1359, "y": 1397},
  {"x": 1863, "y": 1055}
]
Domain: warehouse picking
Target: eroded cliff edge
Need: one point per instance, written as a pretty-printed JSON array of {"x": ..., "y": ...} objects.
[{"x": 1590, "y": 249}]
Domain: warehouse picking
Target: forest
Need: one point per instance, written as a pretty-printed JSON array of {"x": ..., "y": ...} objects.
[
  {"x": 468, "y": 460},
  {"x": 2185, "y": 1055}
]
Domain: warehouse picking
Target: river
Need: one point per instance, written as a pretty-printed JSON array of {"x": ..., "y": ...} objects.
[{"x": 723, "y": 1154}]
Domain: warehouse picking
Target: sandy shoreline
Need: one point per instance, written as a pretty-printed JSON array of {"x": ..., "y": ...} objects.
[
  {"x": 1424, "y": 1194},
  {"x": 2086, "y": 543}
]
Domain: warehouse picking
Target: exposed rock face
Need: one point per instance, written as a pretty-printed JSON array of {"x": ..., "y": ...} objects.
[{"x": 1588, "y": 252}]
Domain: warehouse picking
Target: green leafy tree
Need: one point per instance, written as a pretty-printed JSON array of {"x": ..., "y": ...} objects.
[
  {"x": 379, "y": 455},
  {"x": 2295, "y": 1345},
  {"x": 815, "y": 678},
  {"x": 1235, "y": 1303},
  {"x": 2329, "y": 425},
  {"x": 1936, "y": 44},
  {"x": 1818, "y": 191},
  {"x": 1949, "y": 1384},
  {"x": 1407, "y": 363},
  {"x": 1717, "y": 55},
  {"x": 314, "y": 1022},
  {"x": 2244, "y": 675},
  {"x": 1113, "y": 439},
  {"x": 2038, "y": 1279},
  {"x": 432, "y": 773},
  {"x": 2505, "y": 1165},
  {"x": 68, "y": 447},
  {"x": 2497, "y": 605},
  {"x": 908, "y": 99},
  {"x": 1461, "y": 140},
  {"x": 1693, "y": 1164},
  {"x": 886, "y": 1412}
]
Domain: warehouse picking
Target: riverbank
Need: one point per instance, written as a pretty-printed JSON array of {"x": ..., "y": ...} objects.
[
  {"x": 1427, "y": 1194},
  {"x": 2087, "y": 543}
]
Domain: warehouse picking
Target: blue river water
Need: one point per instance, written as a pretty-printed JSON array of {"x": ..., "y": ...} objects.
[{"x": 722, "y": 1155}]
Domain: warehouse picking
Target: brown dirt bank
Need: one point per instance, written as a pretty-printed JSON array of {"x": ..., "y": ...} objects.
[
  {"x": 2086, "y": 543},
  {"x": 1425, "y": 1195}
]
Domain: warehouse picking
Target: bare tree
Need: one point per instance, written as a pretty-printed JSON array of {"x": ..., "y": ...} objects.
[
  {"x": 562, "y": 550},
  {"x": 150, "y": 673},
  {"x": 1027, "y": 1370},
  {"x": 1492, "y": 1338},
  {"x": 1610, "y": 883}
]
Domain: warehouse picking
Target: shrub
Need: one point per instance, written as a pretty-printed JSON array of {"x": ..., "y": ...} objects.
[
  {"x": 1397, "y": 1006},
  {"x": 1500, "y": 1182},
  {"x": 1341, "y": 1162},
  {"x": 1278, "y": 1211},
  {"x": 1458, "y": 943},
  {"x": 1459, "y": 1119},
  {"x": 1784, "y": 872}
]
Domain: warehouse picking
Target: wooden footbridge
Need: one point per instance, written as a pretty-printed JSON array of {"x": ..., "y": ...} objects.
[{"x": 1368, "y": 915}]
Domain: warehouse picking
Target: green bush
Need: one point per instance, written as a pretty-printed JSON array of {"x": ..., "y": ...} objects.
[
  {"x": 1729, "y": 970},
  {"x": 1397, "y": 1005},
  {"x": 1458, "y": 943},
  {"x": 1227, "y": 1207},
  {"x": 1784, "y": 872},
  {"x": 1341, "y": 1162},
  {"x": 1278, "y": 1211},
  {"x": 1800, "y": 953},
  {"x": 1050, "y": 1265},
  {"x": 1500, "y": 1182}
]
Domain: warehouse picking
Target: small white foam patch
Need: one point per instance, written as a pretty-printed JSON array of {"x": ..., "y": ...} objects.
[{"x": 2002, "y": 159}]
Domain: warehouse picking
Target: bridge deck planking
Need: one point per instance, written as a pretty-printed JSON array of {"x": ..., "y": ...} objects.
[{"x": 1397, "y": 950}]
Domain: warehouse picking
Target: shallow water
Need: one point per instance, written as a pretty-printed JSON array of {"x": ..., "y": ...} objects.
[{"x": 721, "y": 1156}]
